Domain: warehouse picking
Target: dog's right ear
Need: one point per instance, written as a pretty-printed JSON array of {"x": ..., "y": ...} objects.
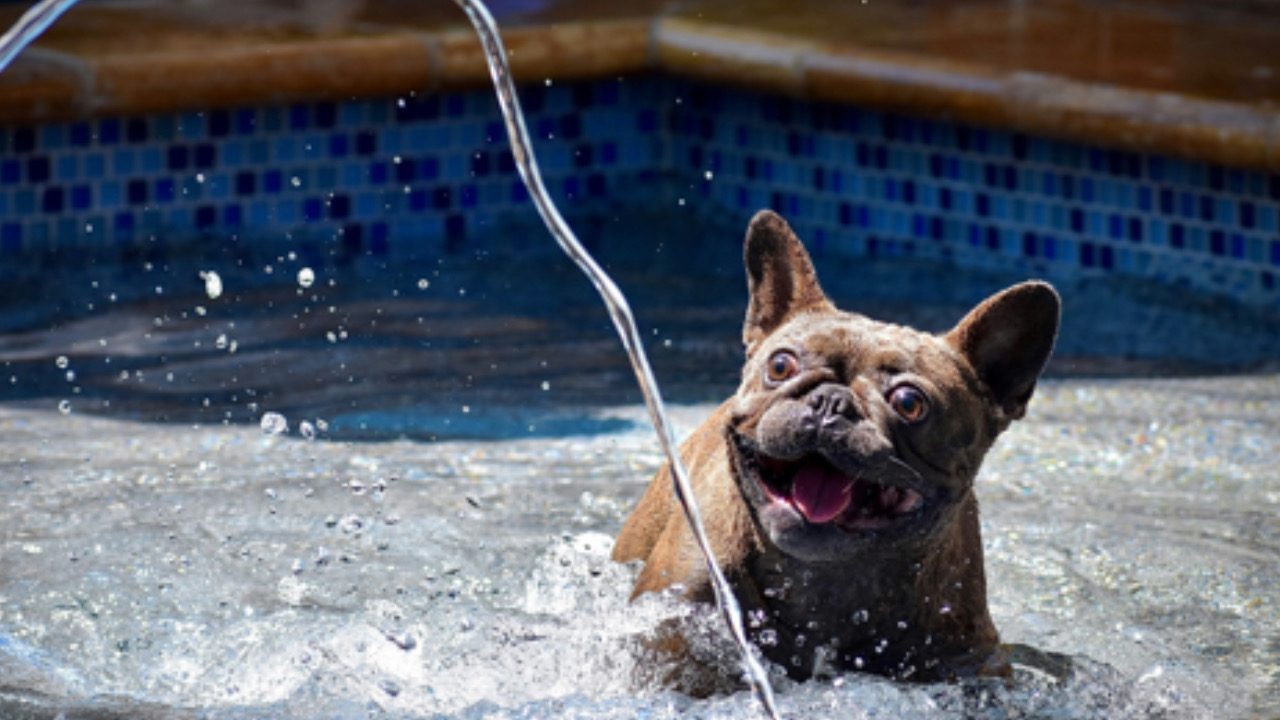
[{"x": 780, "y": 278}]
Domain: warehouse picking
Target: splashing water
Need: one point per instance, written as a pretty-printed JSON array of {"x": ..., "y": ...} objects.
[
  {"x": 624, "y": 322},
  {"x": 40, "y": 16}
]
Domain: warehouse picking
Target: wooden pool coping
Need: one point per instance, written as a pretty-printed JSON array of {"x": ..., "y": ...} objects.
[{"x": 1166, "y": 85}]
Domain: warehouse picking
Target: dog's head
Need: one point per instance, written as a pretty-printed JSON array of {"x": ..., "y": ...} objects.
[{"x": 848, "y": 433}]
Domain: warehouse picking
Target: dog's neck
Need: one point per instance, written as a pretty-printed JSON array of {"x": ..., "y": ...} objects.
[{"x": 894, "y": 613}]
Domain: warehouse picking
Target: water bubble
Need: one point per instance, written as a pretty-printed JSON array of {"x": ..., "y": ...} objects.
[
  {"x": 297, "y": 567},
  {"x": 708, "y": 175},
  {"x": 322, "y": 425},
  {"x": 860, "y": 617},
  {"x": 271, "y": 494},
  {"x": 307, "y": 429},
  {"x": 62, "y": 362},
  {"x": 64, "y": 407},
  {"x": 322, "y": 556},
  {"x": 274, "y": 423},
  {"x": 212, "y": 283},
  {"x": 221, "y": 342},
  {"x": 389, "y": 687},
  {"x": 306, "y": 276},
  {"x": 71, "y": 376},
  {"x": 350, "y": 524},
  {"x": 546, "y": 384},
  {"x": 423, "y": 284}
]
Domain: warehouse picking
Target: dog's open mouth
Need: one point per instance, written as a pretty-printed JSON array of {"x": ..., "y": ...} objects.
[{"x": 822, "y": 493}]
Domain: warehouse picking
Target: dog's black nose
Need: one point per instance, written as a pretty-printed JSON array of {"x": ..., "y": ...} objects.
[{"x": 831, "y": 402}]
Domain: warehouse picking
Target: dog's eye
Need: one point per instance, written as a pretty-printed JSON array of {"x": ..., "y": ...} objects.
[
  {"x": 782, "y": 366},
  {"x": 909, "y": 403}
]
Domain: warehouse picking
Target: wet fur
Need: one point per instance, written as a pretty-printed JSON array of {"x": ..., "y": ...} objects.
[{"x": 902, "y": 603}]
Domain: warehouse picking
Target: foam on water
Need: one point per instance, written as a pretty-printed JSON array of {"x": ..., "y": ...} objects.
[{"x": 219, "y": 572}]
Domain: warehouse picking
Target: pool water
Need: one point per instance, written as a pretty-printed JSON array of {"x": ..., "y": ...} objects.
[{"x": 429, "y": 536}]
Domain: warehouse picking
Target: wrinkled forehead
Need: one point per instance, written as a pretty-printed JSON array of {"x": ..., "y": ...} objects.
[{"x": 859, "y": 344}]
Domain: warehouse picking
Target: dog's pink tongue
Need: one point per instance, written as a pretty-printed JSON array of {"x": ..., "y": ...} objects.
[{"x": 820, "y": 494}]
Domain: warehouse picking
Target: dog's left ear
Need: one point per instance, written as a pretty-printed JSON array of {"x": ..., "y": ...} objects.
[
  {"x": 1008, "y": 339},
  {"x": 780, "y": 278}
]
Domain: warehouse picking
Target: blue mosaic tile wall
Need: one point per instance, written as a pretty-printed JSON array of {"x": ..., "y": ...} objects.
[
  {"x": 424, "y": 175},
  {"x": 856, "y": 181}
]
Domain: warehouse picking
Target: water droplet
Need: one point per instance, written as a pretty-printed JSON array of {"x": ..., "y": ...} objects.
[
  {"x": 423, "y": 284},
  {"x": 62, "y": 362},
  {"x": 221, "y": 342},
  {"x": 322, "y": 556},
  {"x": 71, "y": 376},
  {"x": 307, "y": 429},
  {"x": 212, "y": 284},
  {"x": 708, "y": 175},
  {"x": 274, "y": 423},
  {"x": 297, "y": 567},
  {"x": 546, "y": 384},
  {"x": 389, "y": 687},
  {"x": 271, "y": 494},
  {"x": 860, "y": 617},
  {"x": 64, "y": 407},
  {"x": 351, "y": 524},
  {"x": 306, "y": 276},
  {"x": 322, "y": 425}
]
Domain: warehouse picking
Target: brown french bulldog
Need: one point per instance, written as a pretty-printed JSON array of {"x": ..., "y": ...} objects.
[{"x": 837, "y": 484}]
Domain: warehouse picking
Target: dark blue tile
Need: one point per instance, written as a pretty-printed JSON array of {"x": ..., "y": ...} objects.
[
  {"x": 519, "y": 193},
  {"x": 418, "y": 200},
  {"x": 326, "y": 114},
  {"x": 819, "y": 180},
  {"x": 206, "y": 217},
  {"x": 945, "y": 199},
  {"x": 1049, "y": 184},
  {"x": 908, "y": 192},
  {"x": 246, "y": 183},
  {"x": 480, "y": 162},
  {"x": 272, "y": 181},
  {"x": 406, "y": 171},
  {"x": 882, "y": 157},
  {"x": 1049, "y": 247},
  {"x": 124, "y": 223},
  {"x": 206, "y": 156},
  {"x": 845, "y": 213},
  {"x": 1273, "y": 186},
  {"x": 1217, "y": 242},
  {"x": 1248, "y": 219},
  {"x": 442, "y": 198},
  {"x": 24, "y": 140},
  {"x": 52, "y": 201},
  {"x": 571, "y": 127},
  {"x": 137, "y": 192},
  {"x": 646, "y": 121},
  {"x": 1237, "y": 246},
  {"x": 219, "y": 123},
  {"x": 1086, "y": 189},
  {"x": 1068, "y": 186},
  {"x": 936, "y": 167},
  {"x": 1155, "y": 167},
  {"x": 108, "y": 131},
  {"x": 455, "y": 233},
  {"x": 246, "y": 121},
  {"x": 1206, "y": 208},
  {"x": 232, "y": 216},
  {"x": 1077, "y": 219},
  {"x": 455, "y": 105},
  {"x": 299, "y": 117},
  {"x": 891, "y": 190},
  {"x": 1144, "y": 199},
  {"x": 136, "y": 131},
  {"x": 10, "y": 171},
  {"x": 338, "y": 146},
  {"x": 378, "y": 173},
  {"x": 366, "y": 143},
  {"x": 81, "y": 197},
  {"x": 937, "y": 229},
  {"x": 1187, "y": 201},
  {"x": 1020, "y": 146},
  {"x": 38, "y": 169},
  {"x": 1177, "y": 236},
  {"x": 11, "y": 237},
  {"x": 339, "y": 207},
  {"x": 1217, "y": 178},
  {"x": 919, "y": 226},
  {"x": 312, "y": 209},
  {"x": 1029, "y": 244},
  {"x": 1135, "y": 229},
  {"x": 993, "y": 237},
  {"x": 81, "y": 134},
  {"x": 597, "y": 187},
  {"x": 584, "y": 157},
  {"x": 1275, "y": 252},
  {"x": 164, "y": 190},
  {"x": 179, "y": 157},
  {"x": 1166, "y": 201},
  {"x": 1116, "y": 224},
  {"x": 862, "y": 154},
  {"x": 428, "y": 168},
  {"x": 983, "y": 205}
]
